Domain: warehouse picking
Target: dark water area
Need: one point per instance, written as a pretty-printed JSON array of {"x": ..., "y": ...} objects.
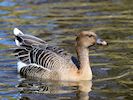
[{"x": 57, "y": 22}]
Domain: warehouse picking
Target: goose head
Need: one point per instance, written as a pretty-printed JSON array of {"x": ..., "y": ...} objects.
[{"x": 88, "y": 38}]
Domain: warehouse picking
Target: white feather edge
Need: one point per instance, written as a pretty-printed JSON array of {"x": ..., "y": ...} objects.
[
  {"x": 17, "y": 42},
  {"x": 20, "y": 65},
  {"x": 17, "y": 32}
]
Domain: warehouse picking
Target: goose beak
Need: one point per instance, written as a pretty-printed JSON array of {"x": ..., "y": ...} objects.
[{"x": 101, "y": 42}]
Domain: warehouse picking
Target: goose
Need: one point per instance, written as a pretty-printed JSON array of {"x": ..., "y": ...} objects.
[{"x": 39, "y": 60}]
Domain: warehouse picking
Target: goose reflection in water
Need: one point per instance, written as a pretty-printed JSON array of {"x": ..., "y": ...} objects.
[{"x": 54, "y": 90}]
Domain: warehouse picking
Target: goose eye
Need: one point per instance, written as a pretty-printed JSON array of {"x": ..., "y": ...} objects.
[{"x": 89, "y": 35}]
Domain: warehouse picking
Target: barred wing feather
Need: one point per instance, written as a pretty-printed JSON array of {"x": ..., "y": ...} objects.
[{"x": 32, "y": 50}]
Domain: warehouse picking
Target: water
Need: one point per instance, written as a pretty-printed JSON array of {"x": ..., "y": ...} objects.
[{"x": 57, "y": 22}]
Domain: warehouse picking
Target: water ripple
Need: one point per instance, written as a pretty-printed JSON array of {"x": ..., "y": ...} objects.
[{"x": 7, "y": 3}]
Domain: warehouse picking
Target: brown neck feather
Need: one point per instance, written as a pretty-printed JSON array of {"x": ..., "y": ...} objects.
[{"x": 83, "y": 56}]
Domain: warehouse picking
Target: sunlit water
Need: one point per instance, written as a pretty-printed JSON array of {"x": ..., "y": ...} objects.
[{"x": 57, "y": 22}]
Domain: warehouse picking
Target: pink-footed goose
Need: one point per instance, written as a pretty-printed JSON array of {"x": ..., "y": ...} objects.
[{"x": 39, "y": 60}]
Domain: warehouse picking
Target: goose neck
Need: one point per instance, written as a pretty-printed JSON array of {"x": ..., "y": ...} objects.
[{"x": 83, "y": 56}]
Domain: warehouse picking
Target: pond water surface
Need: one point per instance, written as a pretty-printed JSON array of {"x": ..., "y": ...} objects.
[{"x": 57, "y": 22}]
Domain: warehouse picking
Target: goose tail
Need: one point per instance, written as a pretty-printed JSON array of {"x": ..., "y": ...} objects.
[
  {"x": 17, "y": 34},
  {"x": 25, "y": 40}
]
